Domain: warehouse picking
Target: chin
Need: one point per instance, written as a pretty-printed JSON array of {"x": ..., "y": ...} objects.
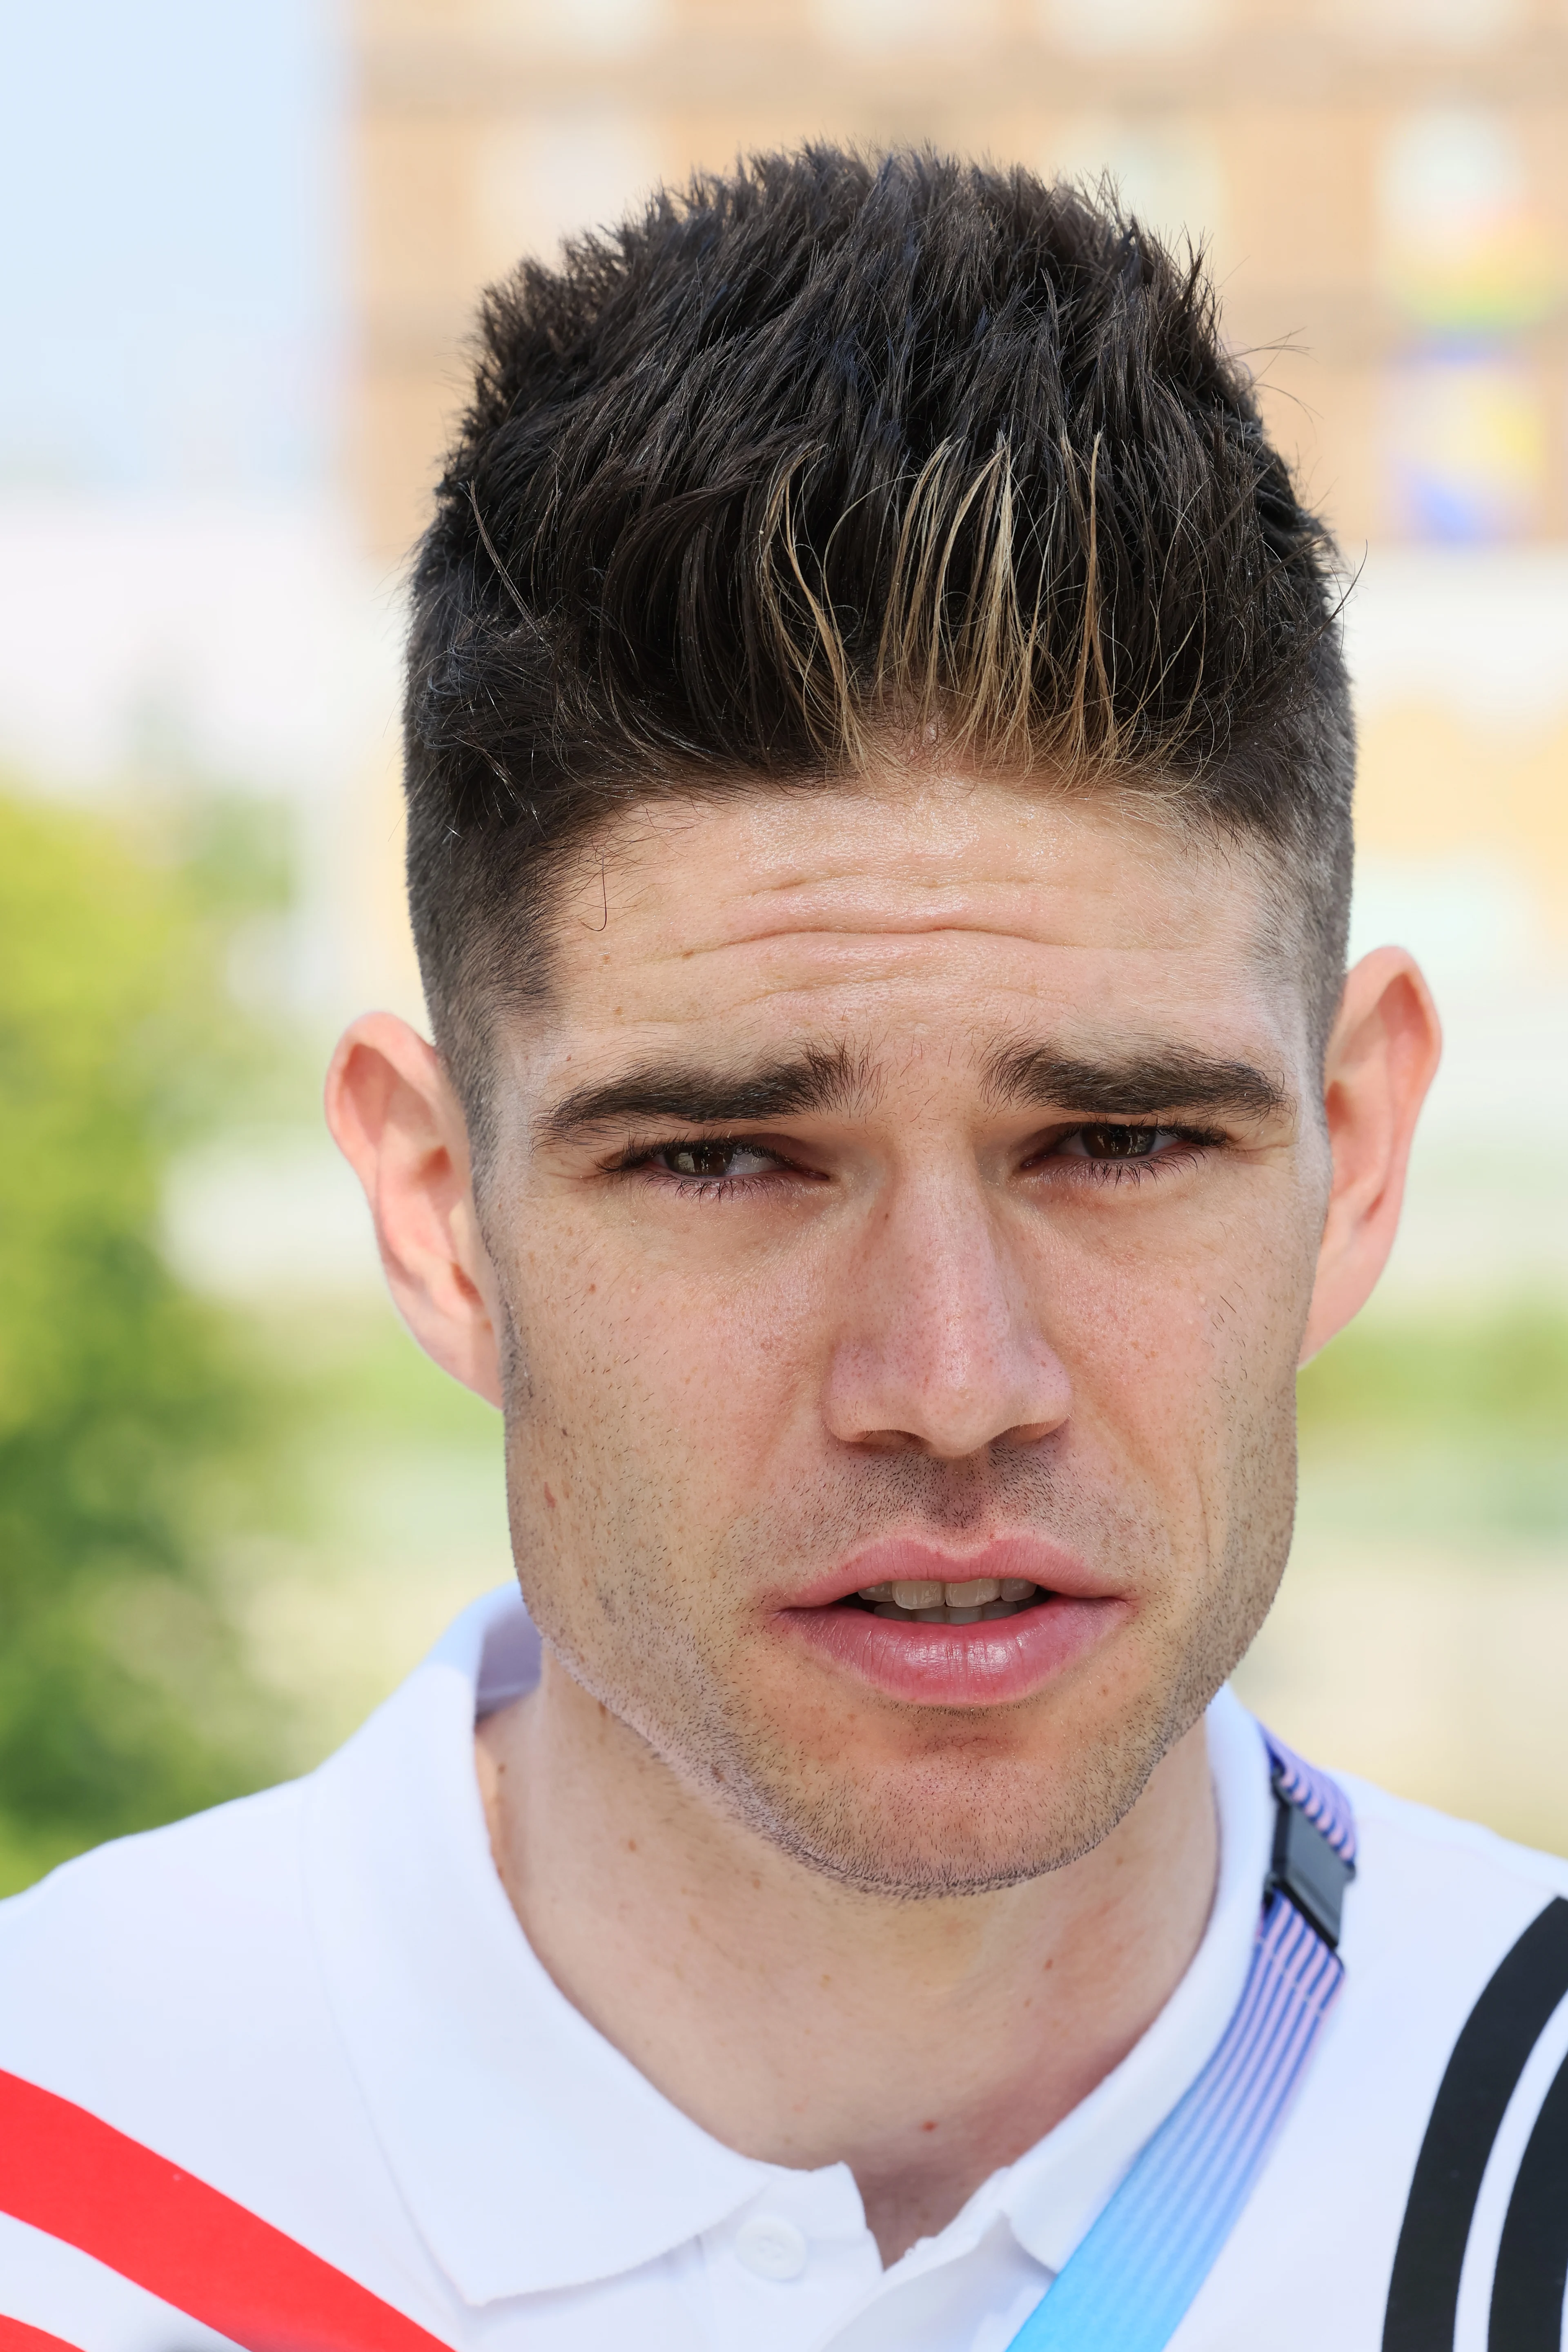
[{"x": 968, "y": 1829}]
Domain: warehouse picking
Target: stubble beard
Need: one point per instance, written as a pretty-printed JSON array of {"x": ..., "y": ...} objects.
[{"x": 658, "y": 1647}]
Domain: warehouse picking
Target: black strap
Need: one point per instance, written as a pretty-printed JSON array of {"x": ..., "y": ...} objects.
[
  {"x": 1306, "y": 1867},
  {"x": 1532, "y": 2273},
  {"x": 1488, "y": 2059}
]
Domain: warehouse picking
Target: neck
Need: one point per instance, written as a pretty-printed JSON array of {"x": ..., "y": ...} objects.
[{"x": 922, "y": 2043}]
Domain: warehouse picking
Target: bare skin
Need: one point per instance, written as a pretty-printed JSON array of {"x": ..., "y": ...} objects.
[{"x": 933, "y": 1296}]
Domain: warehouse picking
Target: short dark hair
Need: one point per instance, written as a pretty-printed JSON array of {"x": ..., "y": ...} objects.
[{"x": 821, "y": 453}]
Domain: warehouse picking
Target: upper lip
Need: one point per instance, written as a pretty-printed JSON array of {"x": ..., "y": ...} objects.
[{"x": 896, "y": 1557}]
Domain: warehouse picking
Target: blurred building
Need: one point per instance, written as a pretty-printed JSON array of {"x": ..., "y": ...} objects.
[
  {"x": 1382, "y": 186},
  {"x": 1383, "y": 183}
]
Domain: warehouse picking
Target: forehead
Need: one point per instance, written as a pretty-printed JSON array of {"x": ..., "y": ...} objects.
[{"x": 903, "y": 907}]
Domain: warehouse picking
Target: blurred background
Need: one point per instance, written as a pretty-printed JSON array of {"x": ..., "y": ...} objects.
[{"x": 242, "y": 254}]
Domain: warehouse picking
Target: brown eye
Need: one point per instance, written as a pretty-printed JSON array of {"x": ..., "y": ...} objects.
[
  {"x": 712, "y": 1159},
  {"x": 1118, "y": 1142},
  {"x": 706, "y": 1160}
]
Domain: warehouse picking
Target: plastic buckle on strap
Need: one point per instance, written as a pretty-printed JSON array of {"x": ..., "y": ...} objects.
[{"x": 1306, "y": 1869}]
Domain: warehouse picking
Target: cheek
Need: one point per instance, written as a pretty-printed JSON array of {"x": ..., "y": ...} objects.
[
  {"x": 660, "y": 1376},
  {"x": 648, "y": 1415},
  {"x": 1176, "y": 1341}
]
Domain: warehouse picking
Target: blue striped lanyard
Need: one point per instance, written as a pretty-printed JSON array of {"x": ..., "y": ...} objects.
[{"x": 1127, "y": 2285}]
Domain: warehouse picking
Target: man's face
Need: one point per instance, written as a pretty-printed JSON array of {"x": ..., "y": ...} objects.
[{"x": 911, "y": 1186}]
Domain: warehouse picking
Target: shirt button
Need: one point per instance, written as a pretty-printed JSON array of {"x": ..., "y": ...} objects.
[{"x": 772, "y": 2246}]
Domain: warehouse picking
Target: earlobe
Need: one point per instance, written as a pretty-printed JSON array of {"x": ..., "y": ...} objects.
[
  {"x": 393, "y": 1113},
  {"x": 1381, "y": 1060}
]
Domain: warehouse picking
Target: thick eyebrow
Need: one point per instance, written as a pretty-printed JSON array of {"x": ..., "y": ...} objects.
[
  {"x": 826, "y": 1079},
  {"x": 1137, "y": 1085}
]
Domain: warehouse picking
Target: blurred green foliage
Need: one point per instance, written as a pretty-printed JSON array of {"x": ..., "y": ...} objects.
[
  {"x": 136, "y": 1426},
  {"x": 1448, "y": 1425},
  {"x": 1467, "y": 1375}
]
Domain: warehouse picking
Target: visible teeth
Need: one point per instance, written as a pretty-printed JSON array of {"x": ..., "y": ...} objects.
[
  {"x": 917, "y": 1592},
  {"x": 934, "y": 1602}
]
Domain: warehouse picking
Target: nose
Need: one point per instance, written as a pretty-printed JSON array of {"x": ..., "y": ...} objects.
[{"x": 940, "y": 1345}]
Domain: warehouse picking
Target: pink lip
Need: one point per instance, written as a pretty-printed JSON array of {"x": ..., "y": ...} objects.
[{"x": 988, "y": 1664}]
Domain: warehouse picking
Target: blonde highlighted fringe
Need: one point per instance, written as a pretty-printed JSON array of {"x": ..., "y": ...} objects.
[{"x": 997, "y": 680}]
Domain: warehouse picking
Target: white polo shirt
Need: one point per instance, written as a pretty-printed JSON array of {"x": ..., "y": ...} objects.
[{"x": 318, "y": 2002}]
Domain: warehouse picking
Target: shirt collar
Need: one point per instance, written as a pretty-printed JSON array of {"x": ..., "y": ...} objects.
[
  {"x": 531, "y": 2153},
  {"x": 1053, "y": 2193}
]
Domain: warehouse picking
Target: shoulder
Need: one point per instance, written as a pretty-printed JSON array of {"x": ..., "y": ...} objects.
[
  {"x": 1437, "y": 1907},
  {"x": 137, "y": 1959},
  {"x": 162, "y": 1886},
  {"x": 170, "y": 1986},
  {"x": 144, "y": 1871},
  {"x": 1449, "y": 1886}
]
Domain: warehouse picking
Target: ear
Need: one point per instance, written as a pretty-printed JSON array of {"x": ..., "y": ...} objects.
[
  {"x": 1380, "y": 1059},
  {"x": 396, "y": 1120}
]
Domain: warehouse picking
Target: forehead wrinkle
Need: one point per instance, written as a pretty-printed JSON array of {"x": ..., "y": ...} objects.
[
  {"x": 864, "y": 922},
  {"x": 876, "y": 975}
]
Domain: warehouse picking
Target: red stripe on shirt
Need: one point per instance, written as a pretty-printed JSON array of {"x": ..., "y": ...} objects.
[
  {"x": 65, "y": 2172},
  {"x": 16, "y": 2335}
]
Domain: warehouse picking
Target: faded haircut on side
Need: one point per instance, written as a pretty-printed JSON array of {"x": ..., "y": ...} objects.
[{"x": 809, "y": 459}]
